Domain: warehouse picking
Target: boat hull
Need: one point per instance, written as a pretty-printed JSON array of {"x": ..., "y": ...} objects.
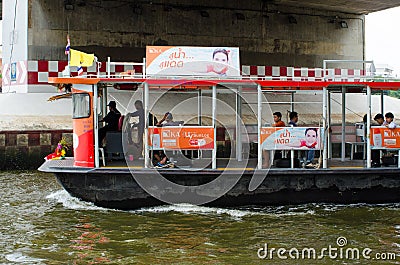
[{"x": 119, "y": 189}]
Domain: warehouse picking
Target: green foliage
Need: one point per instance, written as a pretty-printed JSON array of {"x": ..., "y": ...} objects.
[{"x": 394, "y": 93}]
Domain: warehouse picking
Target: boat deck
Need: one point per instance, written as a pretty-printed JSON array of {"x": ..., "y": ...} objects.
[
  {"x": 201, "y": 165},
  {"x": 225, "y": 164}
]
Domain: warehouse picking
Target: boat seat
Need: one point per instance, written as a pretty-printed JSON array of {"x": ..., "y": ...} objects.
[
  {"x": 359, "y": 135},
  {"x": 114, "y": 148}
]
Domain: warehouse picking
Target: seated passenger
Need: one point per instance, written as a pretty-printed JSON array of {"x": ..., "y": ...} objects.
[
  {"x": 160, "y": 160},
  {"x": 278, "y": 120},
  {"x": 389, "y": 123},
  {"x": 379, "y": 119},
  {"x": 294, "y": 118},
  {"x": 168, "y": 120}
]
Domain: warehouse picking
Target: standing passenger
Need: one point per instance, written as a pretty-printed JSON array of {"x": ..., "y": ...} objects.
[
  {"x": 140, "y": 125},
  {"x": 376, "y": 154},
  {"x": 112, "y": 119},
  {"x": 278, "y": 123}
]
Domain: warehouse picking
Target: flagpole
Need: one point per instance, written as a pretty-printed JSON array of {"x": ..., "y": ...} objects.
[{"x": 69, "y": 53}]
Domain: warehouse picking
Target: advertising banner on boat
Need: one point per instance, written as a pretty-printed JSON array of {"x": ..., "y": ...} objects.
[
  {"x": 182, "y": 138},
  {"x": 291, "y": 138},
  {"x": 194, "y": 61},
  {"x": 382, "y": 137}
]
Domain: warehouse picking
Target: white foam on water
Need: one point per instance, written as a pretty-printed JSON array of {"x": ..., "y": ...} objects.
[
  {"x": 336, "y": 207},
  {"x": 73, "y": 203},
  {"x": 308, "y": 212},
  {"x": 189, "y": 208},
  {"x": 235, "y": 213},
  {"x": 130, "y": 240},
  {"x": 18, "y": 257},
  {"x": 69, "y": 202}
]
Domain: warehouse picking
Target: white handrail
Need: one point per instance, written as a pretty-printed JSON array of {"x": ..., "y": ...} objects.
[{"x": 109, "y": 64}]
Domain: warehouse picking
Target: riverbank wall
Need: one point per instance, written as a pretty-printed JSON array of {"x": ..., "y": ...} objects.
[{"x": 26, "y": 149}]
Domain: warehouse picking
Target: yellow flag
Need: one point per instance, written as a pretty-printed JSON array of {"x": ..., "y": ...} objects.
[{"x": 79, "y": 58}]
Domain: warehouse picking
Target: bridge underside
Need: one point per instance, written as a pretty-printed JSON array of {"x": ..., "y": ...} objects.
[{"x": 359, "y": 7}]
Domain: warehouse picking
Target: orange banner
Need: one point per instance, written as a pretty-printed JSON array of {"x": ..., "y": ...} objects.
[
  {"x": 181, "y": 137},
  {"x": 382, "y": 137}
]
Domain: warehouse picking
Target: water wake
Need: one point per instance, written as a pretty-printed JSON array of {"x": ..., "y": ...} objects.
[
  {"x": 73, "y": 203},
  {"x": 235, "y": 213},
  {"x": 69, "y": 202},
  {"x": 189, "y": 208},
  {"x": 18, "y": 257}
]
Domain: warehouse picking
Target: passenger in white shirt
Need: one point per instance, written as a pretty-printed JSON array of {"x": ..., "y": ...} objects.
[{"x": 389, "y": 123}]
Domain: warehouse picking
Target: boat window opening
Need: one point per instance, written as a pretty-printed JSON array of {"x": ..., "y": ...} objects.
[{"x": 81, "y": 105}]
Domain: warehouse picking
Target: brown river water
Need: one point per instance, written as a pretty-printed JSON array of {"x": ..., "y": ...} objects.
[{"x": 41, "y": 224}]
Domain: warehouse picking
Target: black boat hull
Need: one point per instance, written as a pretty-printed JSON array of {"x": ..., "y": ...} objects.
[{"x": 118, "y": 188}]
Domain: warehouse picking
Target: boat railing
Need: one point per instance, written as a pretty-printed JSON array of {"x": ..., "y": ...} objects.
[
  {"x": 363, "y": 74},
  {"x": 127, "y": 74}
]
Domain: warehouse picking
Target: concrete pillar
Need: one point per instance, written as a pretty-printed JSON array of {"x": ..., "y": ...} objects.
[{"x": 15, "y": 46}]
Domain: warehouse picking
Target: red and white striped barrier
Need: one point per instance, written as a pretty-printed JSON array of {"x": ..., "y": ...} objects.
[{"x": 38, "y": 72}]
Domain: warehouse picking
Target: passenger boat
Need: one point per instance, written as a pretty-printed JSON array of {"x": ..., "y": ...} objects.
[{"x": 207, "y": 168}]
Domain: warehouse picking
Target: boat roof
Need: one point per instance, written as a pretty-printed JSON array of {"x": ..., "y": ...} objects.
[{"x": 199, "y": 83}]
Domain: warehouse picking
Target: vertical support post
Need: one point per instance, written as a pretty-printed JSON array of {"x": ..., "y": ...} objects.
[
  {"x": 368, "y": 127},
  {"x": 291, "y": 158},
  {"x": 325, "y": 144},
  {"x": 292, "y": 101},
  {"x": 96, "y": 62},
  {"x": 108, "y": 67},
  {"x": 214, "y": 116},
  {"x": 104, "y": 101},
  {"x": 382, "y": 109},
  {"x": 329, "y": 121},
  {"x": 292, "y": 109},
  {"x": 146, "y": 125},
  {"x": 144, "y": 68},
  {"x": 96, "y": 127},
  {"x": 259, "y": 125},
  {"x": 398, "y": 160},
  {"x": 199, "y": 106},
  {"x": 239, "y": 144},
  {"x": 343, "y": 124}
]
